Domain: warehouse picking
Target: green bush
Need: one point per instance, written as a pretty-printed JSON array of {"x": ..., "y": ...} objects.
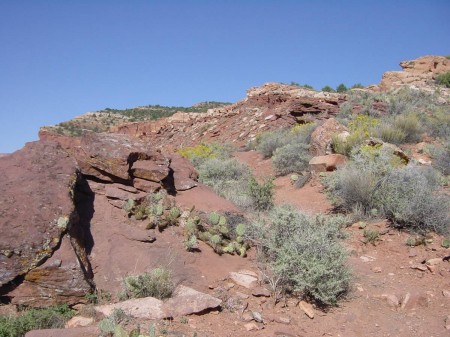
[
  {"x": 157, "y": 283},
  {"x": 341, "y": 88},
  {"x": 444, "y": 79},
  {"x": 35, "y": 319},
  {"x": 371, "y": 235},
  {"x": 291, "y": 158},
  {"x": 261, "y": 194},
  {"x": 303, "y": 254},
  {"x": 270, "y": 141},
  {"x": 327, "y": 88}
]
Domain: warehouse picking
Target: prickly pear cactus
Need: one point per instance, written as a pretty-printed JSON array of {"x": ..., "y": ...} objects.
[{"x": 214, "y": 218}]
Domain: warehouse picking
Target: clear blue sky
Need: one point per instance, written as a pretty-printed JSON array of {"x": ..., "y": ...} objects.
[{"x": 59, "y": 59}]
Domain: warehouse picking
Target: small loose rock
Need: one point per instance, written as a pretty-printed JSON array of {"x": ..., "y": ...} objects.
[{"x": 307, "y": 309}]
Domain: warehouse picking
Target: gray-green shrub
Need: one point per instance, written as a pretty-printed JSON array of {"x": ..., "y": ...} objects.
[
  {"x": 441, "y": 158},
  {"x": 156, "y": 283},
  {"x": 352, "y": 186},
  {"x": 291, "y": 158},
  {"x": 304, "y": 253},
  {"x": 270, "y": 141},
  {"x": 408, "y": 196},
  {"x": 218, "y": 173},
  {"x": 376, "y": 182}
]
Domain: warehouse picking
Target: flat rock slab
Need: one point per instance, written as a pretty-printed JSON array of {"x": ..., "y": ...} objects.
[
  {"x": 155, "y": 171},
  {"x": 114, "y": 192},
  {"x": 188, "y": 301},
  {"x": 244, "y": 280},
  {"x": 35, "y": 205},
  {"x": 185, "y": 301},
  {"x": 147, "y": 308}
]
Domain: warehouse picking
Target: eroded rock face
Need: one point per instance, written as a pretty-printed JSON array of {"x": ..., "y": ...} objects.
[
  {"x": 108, "y": 156},
  {"x": 36, "y": 207},
  {"x": 60, "y": 280},
  {"x": 419, "y": 72}
]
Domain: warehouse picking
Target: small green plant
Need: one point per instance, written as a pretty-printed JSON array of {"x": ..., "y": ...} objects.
[
  {"x": 261, "y": 194},
  {"x": 416, "y": 240},
  {"x": 241, "y": 229},
  {"x": 190, "y": 243},
  {"x": 98, "y": 296},
  {"x": 152, "y": 330},
  {"x": 175, "y": 213},
  {"x": 371, "y": 235},
  {"x": 156, "y": 283},
  {"x": 107, "y": 326},
  {"x": 445, "y": 243}
]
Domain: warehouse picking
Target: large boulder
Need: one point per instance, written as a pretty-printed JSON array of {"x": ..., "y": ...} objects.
[
  {"x": 36, "y": 206},
  {"x": 321, "y": 137},
  {"x": 185, "y": 175}
]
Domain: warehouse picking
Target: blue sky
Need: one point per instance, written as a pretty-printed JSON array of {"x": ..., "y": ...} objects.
[{"x": 60, "y": 59}]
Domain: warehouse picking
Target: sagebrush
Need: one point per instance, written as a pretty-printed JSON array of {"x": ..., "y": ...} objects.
[{"x": 303, "y": 254}]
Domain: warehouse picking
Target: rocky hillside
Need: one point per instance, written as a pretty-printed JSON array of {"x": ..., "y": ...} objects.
[
  {"x": 84, "y": 211},
  {"x": 104, "y": 120}
]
